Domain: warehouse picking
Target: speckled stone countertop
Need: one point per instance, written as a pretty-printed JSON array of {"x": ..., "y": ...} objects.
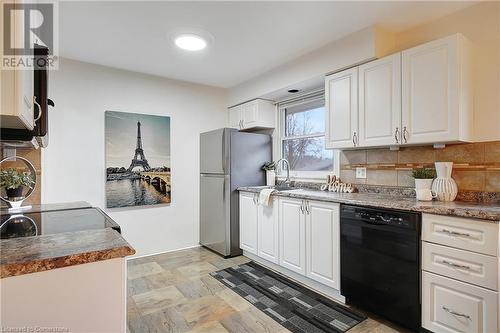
[
  {"x": 40, "y": 253},
  {"x": 24, "y": 255},
  {"x": 481, "y": 211}
]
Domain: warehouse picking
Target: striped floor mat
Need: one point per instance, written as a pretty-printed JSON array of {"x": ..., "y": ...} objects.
[{"x": 298, "y": 309}]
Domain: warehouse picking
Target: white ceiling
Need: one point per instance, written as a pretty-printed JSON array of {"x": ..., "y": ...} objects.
[{"x": 249, "y": 38}]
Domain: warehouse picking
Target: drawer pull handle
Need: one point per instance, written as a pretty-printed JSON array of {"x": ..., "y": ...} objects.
[
  {"x": 455, "y": 233},
  {"x": 450, "y": 311},
  {"x": 449, "y": 263}
]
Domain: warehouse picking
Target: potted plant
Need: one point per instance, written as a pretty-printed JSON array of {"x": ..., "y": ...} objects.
[
  {"x": 423, "y": 177},
  {"x": 13, "y": 181},
  {"x": 270, "y": 168},
  {"x": 423, "y": 182}
]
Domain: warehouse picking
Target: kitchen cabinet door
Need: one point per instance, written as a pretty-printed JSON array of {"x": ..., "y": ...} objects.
[
  {"x": 380, "y": 102},
  {"x": 292, "y": 235},
  {"x": 17, "y": 109},
  {"x": 235, "y": 117},
  {"x": 248, "y": 222},
  {"x": 250, "y": 114},
  {"x": 258, "y": 113},
  {"x": 341, "y": 101},
  {"x": 268, "y": 231},
  {"x": 323, "y": 243},
  {"x": 450, "y": 306},
  {"x": 436, "y": 106}
]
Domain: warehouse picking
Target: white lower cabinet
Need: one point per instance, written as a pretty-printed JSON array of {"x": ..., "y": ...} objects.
[
  {"x": 322, "y": 243},
  {"x": 248, "y": 222},
  {"x": 453, "y": 306},
  {"x": 292, "y": 238},
  {"x": 259, "y": 227},
  {"x": 268, "y": 232},
  {"x": 460, "y": 270},
  {"x": 301, "y": 236},
  {"x": 310, "y": 239}
]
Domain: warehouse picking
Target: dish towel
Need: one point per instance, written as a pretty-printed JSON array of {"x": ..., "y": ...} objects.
[{"x": 265, "y": 196}]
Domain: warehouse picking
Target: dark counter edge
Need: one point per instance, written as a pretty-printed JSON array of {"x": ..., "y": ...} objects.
[
  {"x": 116, "y": 247},
  {"x": 434, "y": 207}
]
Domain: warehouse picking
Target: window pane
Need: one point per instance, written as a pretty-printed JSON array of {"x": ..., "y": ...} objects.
[
  {"x": 305, "y": 122},
  {"x": 308, "y": 154}
]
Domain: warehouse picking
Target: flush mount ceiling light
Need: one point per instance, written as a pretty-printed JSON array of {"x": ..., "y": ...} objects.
[{"x": 190, "y": 42}]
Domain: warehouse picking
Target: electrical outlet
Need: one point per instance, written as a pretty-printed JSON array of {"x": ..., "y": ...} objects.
[{"x": 361, "y": 173}]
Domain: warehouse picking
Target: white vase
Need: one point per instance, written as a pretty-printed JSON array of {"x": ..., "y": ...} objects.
[
  {"x": 270, "y": 177},
  {"x": 444, "y": 186}
]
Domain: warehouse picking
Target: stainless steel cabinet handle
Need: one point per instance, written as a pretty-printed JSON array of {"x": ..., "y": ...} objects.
[
  {"x": 39, "y": 109},
  {"x": 255, "y": 200},
  {"x": 354, "y": 139},
  {"x": 404, "y": 134},
  {"x": 396, "y": 135},
  {"x": 450, "y": 311},
  {"x": 455, "y": 233},
  {"x": 449, "y": 263},
  {"x": 308, "y": 207},
  {"x": 302, "y": 207}
]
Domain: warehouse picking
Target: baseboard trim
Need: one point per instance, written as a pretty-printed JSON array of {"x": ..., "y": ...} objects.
[
  {"x": 158, "y": 253},
  {"x": 300, "y": 279}
]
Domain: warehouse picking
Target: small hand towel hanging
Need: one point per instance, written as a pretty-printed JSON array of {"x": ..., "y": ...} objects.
[{"x": 265, "y": 196}]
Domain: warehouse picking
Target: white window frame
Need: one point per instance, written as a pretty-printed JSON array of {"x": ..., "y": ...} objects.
[{"x": 311, "y": 176}]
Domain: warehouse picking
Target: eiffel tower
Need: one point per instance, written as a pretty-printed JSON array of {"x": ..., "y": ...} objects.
[{"x": 139, "y": 159}]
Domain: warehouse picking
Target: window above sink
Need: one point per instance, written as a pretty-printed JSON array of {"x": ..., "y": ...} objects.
[{"x": 302, "y": 136}]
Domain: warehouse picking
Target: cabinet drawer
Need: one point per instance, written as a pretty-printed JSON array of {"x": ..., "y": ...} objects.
[
  {"x": 462, "y": 233},
  {"x": 453, "y": 306},
  {"x": 466, "y": 266}
]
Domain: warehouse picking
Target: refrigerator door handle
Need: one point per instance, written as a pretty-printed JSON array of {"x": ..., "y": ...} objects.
[{"x": 224, "y": 151}]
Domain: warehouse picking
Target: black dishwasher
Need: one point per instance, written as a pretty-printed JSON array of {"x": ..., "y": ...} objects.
[{"x": 380, "y": 262}]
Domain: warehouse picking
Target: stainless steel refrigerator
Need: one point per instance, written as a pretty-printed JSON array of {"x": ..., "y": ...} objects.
[{"x": 228, "y": 159}]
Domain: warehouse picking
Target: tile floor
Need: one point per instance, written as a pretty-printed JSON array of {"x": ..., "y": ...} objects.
[{"x": 173, "y": 292}]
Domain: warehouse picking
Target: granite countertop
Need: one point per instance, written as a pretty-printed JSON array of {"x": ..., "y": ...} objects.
[
  {"x": 40, "y": 253},
  {"x": 24, "y": 255},
  {"x": 483, "y": 211}
]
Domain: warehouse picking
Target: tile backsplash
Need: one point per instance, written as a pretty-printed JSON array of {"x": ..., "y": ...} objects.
[{"x": 476, "y": 166}]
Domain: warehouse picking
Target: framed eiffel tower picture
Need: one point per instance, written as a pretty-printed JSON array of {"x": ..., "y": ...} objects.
[{"x": 138, "y": 169}]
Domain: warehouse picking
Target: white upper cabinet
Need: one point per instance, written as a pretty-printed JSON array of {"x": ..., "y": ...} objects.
[
  {"x": 17, "y": 109},
  {"x": 380, "y": 102},
  {"x": 258, "y": 113},
  {"x": 436, "y": 103},
  {"x": 419, "y": 96},
  {"x": 341, "y": 100},
  {"x": 235, "y": 117}
]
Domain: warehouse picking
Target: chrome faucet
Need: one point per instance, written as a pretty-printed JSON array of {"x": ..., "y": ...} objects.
[{"x": 287, "y": 180}]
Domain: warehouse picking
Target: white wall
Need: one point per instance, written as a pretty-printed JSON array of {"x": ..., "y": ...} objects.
[
  {"x": 355, "y": 48},
  {"x": 74, "y": 165}
]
